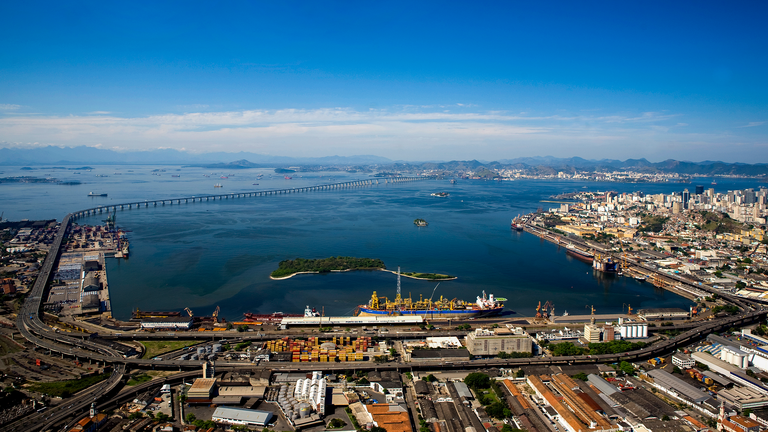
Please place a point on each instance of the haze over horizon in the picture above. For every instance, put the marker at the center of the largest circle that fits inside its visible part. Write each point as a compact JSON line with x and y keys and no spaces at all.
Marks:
{"x":414,"y":82}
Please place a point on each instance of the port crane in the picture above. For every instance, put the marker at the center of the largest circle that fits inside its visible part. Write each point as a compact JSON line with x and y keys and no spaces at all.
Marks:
{"x":216,"y":314}
{"x":546,"y":308}
{"x":592,"y":320}
{"x":189,"y":311}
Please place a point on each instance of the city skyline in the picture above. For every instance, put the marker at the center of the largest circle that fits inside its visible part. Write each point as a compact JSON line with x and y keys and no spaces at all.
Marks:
{"x":418,"y":82}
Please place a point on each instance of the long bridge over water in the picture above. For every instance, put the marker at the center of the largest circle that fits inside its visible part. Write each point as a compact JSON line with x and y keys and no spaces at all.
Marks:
{"x":202,"y":198}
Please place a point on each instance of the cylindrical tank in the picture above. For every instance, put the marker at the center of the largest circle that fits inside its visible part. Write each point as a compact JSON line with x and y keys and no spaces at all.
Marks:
{"x":304,"y":410}
{"x":200,"y":350}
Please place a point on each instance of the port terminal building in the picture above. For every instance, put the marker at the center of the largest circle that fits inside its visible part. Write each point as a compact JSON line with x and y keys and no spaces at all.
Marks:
{"x":167,"y":323}
{"x":489,"y":343}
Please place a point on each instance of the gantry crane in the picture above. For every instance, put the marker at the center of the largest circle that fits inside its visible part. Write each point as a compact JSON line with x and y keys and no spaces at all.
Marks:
{"x":189,"y":311}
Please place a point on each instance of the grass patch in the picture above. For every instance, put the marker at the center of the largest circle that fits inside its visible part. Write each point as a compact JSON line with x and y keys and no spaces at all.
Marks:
{"x":7,"y":346}
{"x":138,"y":379}
{"x":67,"y":388}
{"x":156,"y":348}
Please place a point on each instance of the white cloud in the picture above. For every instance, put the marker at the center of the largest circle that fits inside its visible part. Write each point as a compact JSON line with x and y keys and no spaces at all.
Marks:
{"x":99,"y":112}
{"x":753,"y":124}
{"x":9,"y":107}
{"x":403,"y":132}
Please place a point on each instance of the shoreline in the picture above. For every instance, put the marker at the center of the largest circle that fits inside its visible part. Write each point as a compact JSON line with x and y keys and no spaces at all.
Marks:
{"x":372,"y":269}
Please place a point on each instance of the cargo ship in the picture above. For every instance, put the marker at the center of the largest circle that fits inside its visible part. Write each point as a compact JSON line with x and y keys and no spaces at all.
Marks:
{"x":443,"y":308}
{"x":273,"y":317}
{"x":94,"y":194}
{"x":579,"y":254}
{"x":517,"y":224}
{"x":138,"y":315}
{"x":440,"y":309}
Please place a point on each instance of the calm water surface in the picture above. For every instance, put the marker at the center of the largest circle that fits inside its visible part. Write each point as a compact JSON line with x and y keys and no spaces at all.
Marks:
{"x":203,"y":255}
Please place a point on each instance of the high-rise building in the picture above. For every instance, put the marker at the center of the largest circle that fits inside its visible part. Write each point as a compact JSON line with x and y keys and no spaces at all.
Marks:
{"x":686,"y":198}
{"x":699,"y":189}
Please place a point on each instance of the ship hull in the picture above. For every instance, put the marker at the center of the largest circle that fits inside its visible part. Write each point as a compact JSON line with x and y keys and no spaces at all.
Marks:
{"x":434,"y":314}
{"x":583,"y":256}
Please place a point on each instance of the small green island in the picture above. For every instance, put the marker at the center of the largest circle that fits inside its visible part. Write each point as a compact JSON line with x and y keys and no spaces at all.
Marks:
{"x":289,"y":268}
{"x":428,"y":276}
{"x":420,"y":222}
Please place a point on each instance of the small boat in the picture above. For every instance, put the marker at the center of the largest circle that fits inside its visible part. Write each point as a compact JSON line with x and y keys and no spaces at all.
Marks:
{"x":714,"y":182}
{"x":218,"y":185}
{"x":565,"y":313}
{"x":255,"y":184}
{"x":224,"y":177}
{"x":287,"y":178}
{"x":640,"y":278}
{"x":175,"y":175}
{"x":94,"y":194}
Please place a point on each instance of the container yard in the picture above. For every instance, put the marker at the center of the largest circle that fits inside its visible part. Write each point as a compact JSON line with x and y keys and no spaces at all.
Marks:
{"x":340,"y":348}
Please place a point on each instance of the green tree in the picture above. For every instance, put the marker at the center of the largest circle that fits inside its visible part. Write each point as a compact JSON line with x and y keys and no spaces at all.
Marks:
{"x":520,"y":373}
{"x":498,"y":410}
{"x":190,"y":418}
{"x":677,"y":370}
{"x":580,"y":376}
{"x":477,"y":380}
{"x":627,"y":368}
{"x":378,"y":429}
{"x":336,"y":423}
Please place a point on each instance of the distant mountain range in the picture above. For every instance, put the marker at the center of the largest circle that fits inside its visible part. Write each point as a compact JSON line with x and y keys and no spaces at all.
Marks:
{"x":84,"y":155}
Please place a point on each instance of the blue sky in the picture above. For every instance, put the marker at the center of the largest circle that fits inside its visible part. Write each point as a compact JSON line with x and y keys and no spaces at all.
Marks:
{"x":409,"y":80}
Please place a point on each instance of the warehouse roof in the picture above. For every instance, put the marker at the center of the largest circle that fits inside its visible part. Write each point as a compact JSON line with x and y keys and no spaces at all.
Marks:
{"x":682,"y":388}
{"x":243,"y":415}
{"x":602,"y":385}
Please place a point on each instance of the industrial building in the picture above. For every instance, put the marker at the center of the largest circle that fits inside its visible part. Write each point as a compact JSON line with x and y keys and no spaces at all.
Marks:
{"x":683,"y":361}
{"x":680,"y":390}
{"x":743,"y":398}
{"x":202,"y":390}
{"x":633,"y":330}
{"x":312,"y":390}
{"x":168,"y":323}
{"x":575,"y":410}
{"x":663,"y":314}
{"x":448,"y":354}
{"x":735,"y":357}
{"x":484,"y":343}
{"x":353,"y":320}
{"x":241,"y":416}
{"x":596,"y":334}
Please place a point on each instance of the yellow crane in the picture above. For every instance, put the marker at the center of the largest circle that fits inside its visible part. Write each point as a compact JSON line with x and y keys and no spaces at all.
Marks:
{"x":189,"y":311}
{"x":216,"y":314}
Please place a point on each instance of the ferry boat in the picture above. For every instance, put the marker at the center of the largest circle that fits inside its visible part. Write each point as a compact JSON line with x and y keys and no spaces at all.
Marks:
{"x":579,"y":254}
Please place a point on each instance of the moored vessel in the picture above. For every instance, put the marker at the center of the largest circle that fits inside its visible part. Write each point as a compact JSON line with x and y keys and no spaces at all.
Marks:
{"x":440,"y":309}
{"x":579,"y":254}
{"x":273,"y":317}
{"x":443,"y":308}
